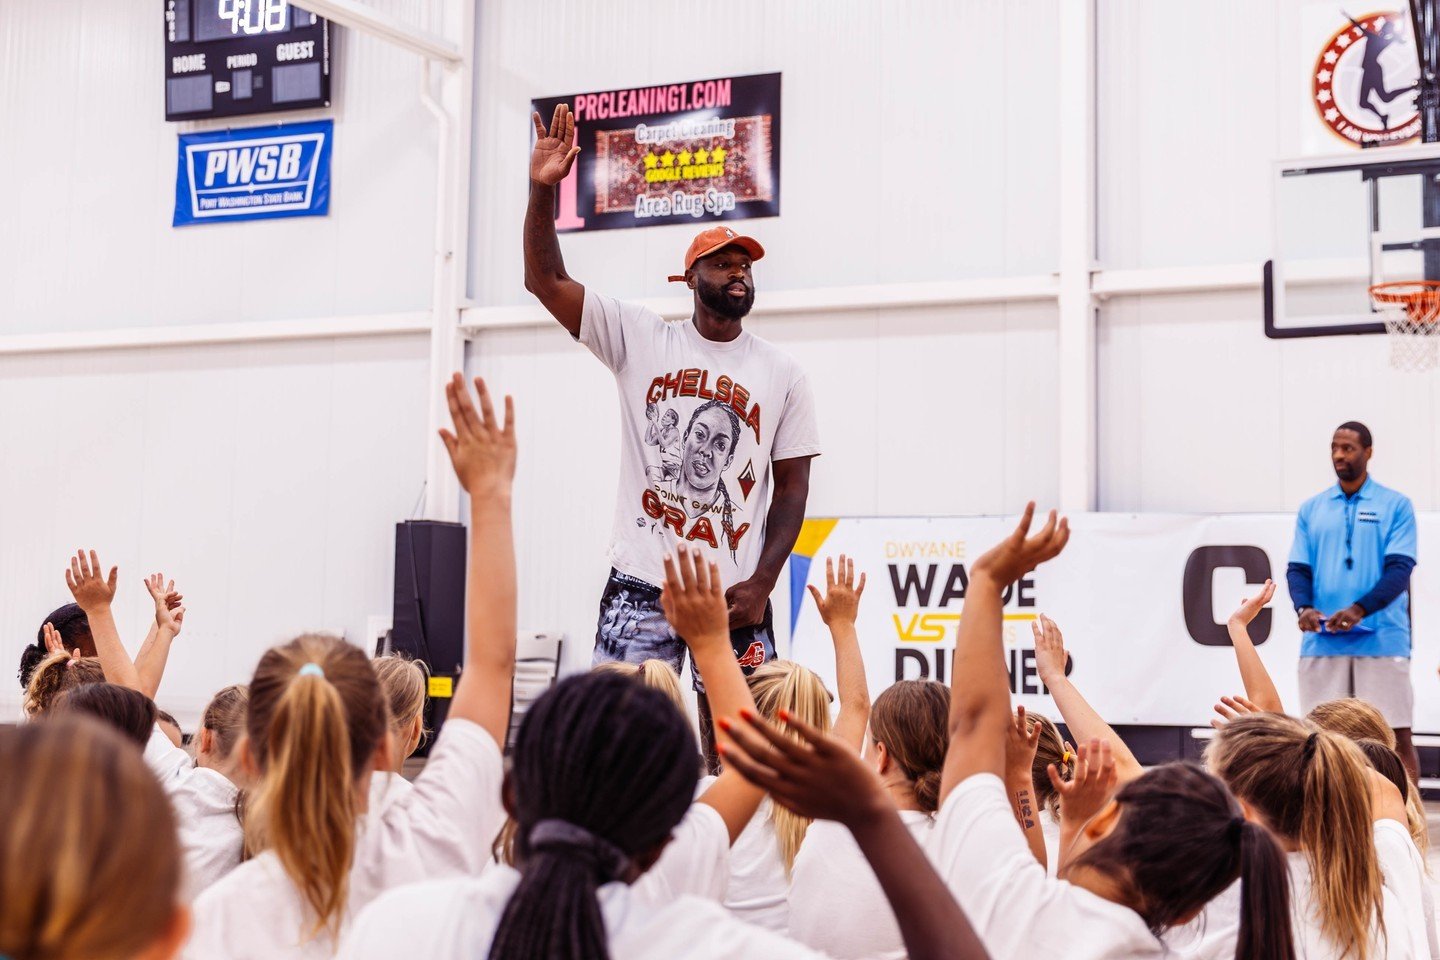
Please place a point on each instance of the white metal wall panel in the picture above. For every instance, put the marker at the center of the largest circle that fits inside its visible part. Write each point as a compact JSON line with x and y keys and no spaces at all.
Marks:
{"x":1200,"y":413}
{"x":88,"y":168}
{"x":918,"y":138}
{"x":266,"y":479}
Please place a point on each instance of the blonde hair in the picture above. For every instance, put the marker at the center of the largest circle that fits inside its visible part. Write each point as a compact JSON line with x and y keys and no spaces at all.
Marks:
{"x":655,"y":674}
{"x":1354,"y":718}
{"x":1359,"y":720}
{"x":316,"y":716}
{"x":1312,"y":787}
{"x":224,"y":716}
{"x":403,"y":681}
{"x":56,"y":674}
{"x":1050,"y":749}
{"x":89,"y":859}
{"x":786,"y":685}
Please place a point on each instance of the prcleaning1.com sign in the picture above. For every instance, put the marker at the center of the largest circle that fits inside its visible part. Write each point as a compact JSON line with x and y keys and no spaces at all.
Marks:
{"x":254,"y":174}
{"x":674,"y":153}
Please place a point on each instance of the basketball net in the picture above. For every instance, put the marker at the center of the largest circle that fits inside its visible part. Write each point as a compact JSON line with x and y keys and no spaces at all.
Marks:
{"x":1411,"y":311}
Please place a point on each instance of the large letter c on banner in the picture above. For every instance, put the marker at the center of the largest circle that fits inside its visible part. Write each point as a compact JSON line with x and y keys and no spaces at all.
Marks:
{"x":1198,"y":591}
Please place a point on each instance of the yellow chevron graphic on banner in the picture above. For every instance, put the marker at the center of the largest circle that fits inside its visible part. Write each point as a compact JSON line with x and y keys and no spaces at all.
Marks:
{"x":813,"y":534}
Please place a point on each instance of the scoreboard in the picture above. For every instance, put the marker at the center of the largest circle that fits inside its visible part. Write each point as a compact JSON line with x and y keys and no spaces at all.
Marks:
{"x":227,"y":58}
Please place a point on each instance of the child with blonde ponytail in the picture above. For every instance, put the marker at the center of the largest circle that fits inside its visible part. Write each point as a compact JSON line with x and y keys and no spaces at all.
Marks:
{"x":318,"y":729}
{"x":1354,"y":890}
{"x":764,"y":854}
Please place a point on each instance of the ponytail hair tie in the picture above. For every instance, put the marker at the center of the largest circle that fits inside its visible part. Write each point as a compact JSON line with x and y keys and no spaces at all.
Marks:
{"x":1237,"y":829}
{"x":312,"y":669}
{"x":1066,"y":757}
{"x":607,"y":860}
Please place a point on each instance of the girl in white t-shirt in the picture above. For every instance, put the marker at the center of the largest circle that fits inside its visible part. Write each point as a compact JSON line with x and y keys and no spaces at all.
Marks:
{"x":206,"y":791}
{"x":1351,"y":895}
{"x":92,"y":866}
{"x":403,"y":682}
{"x":602,"y":776}
{"x":1141,"y":862}
{"x":764,"y":854}
{"x":836,"y":904}
{"x":318,"y":727}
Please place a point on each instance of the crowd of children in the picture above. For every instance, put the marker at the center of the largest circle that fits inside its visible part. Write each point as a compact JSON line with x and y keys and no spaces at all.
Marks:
{"x":930,"y":822}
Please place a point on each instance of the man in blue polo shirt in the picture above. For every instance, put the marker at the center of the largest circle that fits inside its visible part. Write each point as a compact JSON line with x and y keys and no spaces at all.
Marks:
{"x":1349,"y":578}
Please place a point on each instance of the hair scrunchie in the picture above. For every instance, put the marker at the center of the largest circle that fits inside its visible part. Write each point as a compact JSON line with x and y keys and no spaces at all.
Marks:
{"x":608,"y":861}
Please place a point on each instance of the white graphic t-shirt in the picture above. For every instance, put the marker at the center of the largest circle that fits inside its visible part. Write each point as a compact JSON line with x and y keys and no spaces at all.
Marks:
{"x":702,"y":421}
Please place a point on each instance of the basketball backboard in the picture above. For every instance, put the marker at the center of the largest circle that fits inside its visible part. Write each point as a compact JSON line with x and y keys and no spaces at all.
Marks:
{"x":1343,"y":223}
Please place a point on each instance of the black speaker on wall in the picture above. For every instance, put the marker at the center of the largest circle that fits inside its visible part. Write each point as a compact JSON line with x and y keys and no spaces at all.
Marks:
{"x":429,"y":615}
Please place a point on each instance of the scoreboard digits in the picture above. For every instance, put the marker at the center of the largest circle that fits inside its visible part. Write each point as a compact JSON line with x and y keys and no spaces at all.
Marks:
{"x":226,"y":58}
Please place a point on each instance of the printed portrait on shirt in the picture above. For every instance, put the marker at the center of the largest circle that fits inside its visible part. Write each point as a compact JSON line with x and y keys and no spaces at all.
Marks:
{"x":699,"y":462}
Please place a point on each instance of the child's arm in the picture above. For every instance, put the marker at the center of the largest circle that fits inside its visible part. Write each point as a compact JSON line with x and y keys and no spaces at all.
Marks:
{"x":482,"y":451}
{"x":980,"y":706}
{"x":1080,"y":717}
{"x":1259,"y":688}
{"x":94,"y":592}
{"x":694,"y":603}
{"x":1020,"y":746}
{"x":1086,"y":794}
{"x":838,"y":608}
{"x":155,"y":651}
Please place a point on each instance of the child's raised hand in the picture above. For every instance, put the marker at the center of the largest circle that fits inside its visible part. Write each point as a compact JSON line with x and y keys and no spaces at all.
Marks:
{"x":91,"y":589}
{"x":841,"y":602}
{"x":1092,"y":786}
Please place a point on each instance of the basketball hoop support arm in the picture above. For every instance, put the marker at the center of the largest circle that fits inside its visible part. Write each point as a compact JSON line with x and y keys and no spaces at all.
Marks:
{"x":454,"y":112}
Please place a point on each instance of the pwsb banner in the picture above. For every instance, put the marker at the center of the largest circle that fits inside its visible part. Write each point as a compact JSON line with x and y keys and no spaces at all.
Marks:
{"x":676,"y":153}
{"x":1142,"y":602}
{"x":254,"y":174}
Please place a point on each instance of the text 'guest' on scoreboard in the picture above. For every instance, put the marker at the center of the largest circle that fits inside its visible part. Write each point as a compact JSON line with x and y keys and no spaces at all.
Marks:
{"x":228,"y":58}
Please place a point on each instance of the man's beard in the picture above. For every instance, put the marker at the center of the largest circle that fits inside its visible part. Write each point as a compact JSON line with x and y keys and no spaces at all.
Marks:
{"x":725,"y":305}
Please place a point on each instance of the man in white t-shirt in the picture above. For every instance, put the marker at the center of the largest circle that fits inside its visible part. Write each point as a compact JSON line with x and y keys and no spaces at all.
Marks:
{"x":718,"y":428}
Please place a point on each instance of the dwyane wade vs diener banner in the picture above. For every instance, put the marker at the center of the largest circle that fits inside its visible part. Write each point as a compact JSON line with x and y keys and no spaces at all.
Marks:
{"x":674,"y":153}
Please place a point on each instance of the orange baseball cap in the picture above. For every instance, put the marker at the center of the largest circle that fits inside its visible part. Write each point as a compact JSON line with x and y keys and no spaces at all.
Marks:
{"x":708,"y":241}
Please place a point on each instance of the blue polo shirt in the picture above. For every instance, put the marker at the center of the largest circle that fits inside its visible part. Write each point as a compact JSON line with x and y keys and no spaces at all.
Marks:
{"x":1375,"y":521}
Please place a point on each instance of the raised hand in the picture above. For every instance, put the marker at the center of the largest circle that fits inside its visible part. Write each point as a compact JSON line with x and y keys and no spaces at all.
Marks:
{"x":481,"y":449}
{"x":819,"y":777}
{"x":1050,"y":656}
{"x":1251,"y":607}
{"x":1022,"y":739}
{"x":54,"y":643}
{"x":693,"y":601}
{"x":1017,"y":554}
{"x":169,"y":612}
{"x":1231,"y":707}
{"x":1092,"y":786}
{"x":91,"y":589}
{"x":841,"y":602}
{"x":555,"y":150}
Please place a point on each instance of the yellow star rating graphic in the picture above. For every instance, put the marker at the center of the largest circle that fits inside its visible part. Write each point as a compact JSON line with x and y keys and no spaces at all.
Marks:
{"x":699,"y":164}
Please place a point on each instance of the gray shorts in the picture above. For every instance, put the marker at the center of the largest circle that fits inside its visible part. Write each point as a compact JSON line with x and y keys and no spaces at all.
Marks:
{"x":1383,"y":682}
